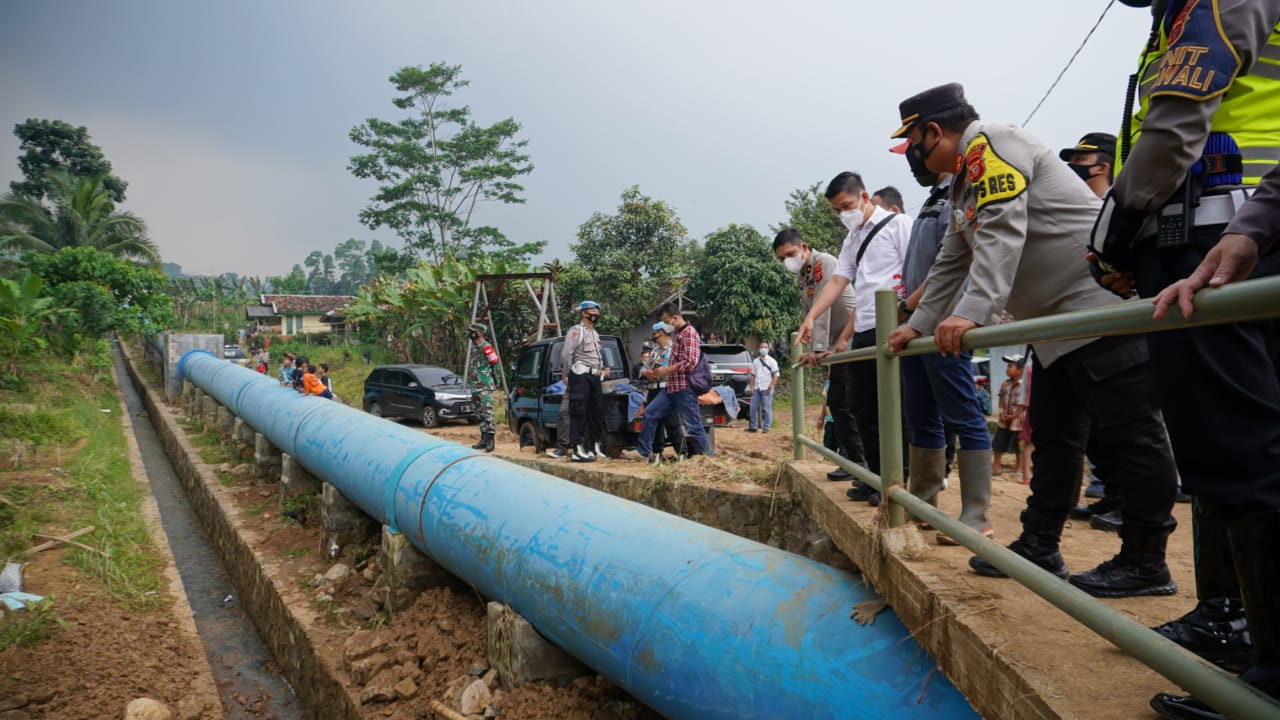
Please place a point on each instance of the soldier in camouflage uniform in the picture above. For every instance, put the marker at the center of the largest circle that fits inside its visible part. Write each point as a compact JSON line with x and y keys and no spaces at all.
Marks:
{"x":485,"y":372}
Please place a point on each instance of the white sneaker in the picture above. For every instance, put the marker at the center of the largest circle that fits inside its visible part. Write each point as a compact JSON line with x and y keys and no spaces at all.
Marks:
{"x":579,"y":457}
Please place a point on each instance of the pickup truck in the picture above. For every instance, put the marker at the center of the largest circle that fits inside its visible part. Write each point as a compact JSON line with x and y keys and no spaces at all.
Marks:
{"x":532,"y":412}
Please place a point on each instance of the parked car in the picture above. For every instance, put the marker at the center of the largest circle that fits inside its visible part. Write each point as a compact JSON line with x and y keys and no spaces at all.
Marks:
{"x":532,"y":412}
{"x":234,"y":354}
{"x":423,"y":392}
{"x":730,"y":365}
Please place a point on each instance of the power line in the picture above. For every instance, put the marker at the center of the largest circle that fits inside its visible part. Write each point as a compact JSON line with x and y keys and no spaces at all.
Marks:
{"x":1088,"y":35}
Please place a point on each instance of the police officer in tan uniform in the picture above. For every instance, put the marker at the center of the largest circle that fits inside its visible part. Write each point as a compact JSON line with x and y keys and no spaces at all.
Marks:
{"x":1019,"y":218}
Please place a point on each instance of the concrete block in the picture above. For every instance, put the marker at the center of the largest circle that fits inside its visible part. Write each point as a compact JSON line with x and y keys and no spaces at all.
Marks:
{"x":296,"y":479}
{"x":242,"y":433}
{"x":406,"y":571}
{"x":210,"y":415}
{"x":521,"y":655}
{"x":226,"y":421}
{"x":267,"y":459}
{"x":188,"y":394}
{"x":344,"y":523}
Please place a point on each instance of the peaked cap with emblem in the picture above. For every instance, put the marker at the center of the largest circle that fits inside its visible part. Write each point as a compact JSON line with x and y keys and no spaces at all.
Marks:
{"x":1092,"y":142}
{"x":927,"y":104}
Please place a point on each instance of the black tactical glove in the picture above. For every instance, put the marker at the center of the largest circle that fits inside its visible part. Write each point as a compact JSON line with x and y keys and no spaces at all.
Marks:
{"x":1114,"y":234}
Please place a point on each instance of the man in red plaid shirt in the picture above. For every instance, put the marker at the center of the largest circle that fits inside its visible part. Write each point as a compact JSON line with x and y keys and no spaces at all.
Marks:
{"x":678,"y":397}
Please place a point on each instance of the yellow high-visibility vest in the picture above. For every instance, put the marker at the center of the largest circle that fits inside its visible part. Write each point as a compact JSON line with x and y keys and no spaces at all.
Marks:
{"x":1250,"y":109}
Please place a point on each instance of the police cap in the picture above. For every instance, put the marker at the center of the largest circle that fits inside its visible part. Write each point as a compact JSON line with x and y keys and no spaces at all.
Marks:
{"x":1092,"y":142}
{"x":586,"y":305}
{"x":927,"y":104}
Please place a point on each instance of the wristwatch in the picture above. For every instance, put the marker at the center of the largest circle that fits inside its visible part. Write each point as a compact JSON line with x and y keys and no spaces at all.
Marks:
{"x":902,"y":305}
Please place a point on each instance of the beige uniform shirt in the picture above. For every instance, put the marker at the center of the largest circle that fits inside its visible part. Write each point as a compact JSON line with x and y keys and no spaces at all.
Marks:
{"x":1019,"y":225}
{"x":812,"y":279}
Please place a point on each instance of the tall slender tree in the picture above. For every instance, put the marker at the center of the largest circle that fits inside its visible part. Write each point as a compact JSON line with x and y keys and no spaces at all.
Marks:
{"x":437,"y":166}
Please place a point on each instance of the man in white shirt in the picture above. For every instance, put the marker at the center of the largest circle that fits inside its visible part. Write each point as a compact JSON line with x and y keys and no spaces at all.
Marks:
{"x":764,"y":377}
{"x":871,"y":258}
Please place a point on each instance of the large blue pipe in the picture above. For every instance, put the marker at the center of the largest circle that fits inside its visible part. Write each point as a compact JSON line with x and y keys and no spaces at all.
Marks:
{"x":692,"y":621}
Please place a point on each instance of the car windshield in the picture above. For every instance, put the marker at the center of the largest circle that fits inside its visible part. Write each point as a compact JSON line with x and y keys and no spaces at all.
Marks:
{"x":727,"y":354}
{"x":436,"y":376}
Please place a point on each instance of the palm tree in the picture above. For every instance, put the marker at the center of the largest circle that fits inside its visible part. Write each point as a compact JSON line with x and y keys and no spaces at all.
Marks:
{"x":81,"y":214}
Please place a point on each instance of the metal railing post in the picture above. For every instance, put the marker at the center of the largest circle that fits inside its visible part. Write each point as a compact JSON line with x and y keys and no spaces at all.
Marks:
{"x":797,"y":397}
{"x":889,"y":395}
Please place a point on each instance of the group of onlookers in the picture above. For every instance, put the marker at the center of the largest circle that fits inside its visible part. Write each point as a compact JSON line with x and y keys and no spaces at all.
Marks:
{"x":299,"y":373}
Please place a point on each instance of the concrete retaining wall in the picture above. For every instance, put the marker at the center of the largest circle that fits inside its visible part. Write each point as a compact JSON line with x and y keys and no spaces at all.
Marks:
{"x":282,"y":624}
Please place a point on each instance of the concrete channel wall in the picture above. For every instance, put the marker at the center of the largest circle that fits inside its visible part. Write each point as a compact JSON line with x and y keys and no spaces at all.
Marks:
{"x":281,"y":626}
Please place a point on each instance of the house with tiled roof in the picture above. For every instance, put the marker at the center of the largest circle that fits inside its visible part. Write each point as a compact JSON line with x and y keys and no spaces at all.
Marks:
{"x":297,"y":314}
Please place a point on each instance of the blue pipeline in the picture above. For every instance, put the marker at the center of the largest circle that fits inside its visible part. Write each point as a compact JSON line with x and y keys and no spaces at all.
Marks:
{"x":692,"y":621}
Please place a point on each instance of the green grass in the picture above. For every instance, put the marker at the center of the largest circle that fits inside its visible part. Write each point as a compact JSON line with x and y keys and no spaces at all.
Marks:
{"x":109,"y":498}
{"x":296,"y":552}
{"x":94,"y":485}
{"x":29,"y":626}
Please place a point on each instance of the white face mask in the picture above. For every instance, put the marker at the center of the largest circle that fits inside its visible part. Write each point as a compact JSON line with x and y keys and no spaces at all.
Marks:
{"x":852,"y":219}
{"x":763,"y":351}
{"x":794,"y":264}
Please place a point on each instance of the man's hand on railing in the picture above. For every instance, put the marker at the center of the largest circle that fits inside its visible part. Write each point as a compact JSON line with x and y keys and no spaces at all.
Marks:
{"x":949,"y":337}
{"x":1231,"y":260}
{"x":806,"y":331}
{"x":899,"y":338}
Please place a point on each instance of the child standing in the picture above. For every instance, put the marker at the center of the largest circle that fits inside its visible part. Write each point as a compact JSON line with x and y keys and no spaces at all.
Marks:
{"x":1011,"y":411}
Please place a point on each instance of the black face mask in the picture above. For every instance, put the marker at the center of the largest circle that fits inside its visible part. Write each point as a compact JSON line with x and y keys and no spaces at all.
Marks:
{"x":1084,"y":171}
{"x":916,"y":155}
{"x":594,"y":319}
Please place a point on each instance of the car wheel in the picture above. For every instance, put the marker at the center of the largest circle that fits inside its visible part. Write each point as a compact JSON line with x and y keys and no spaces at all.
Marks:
{"x":375,"y":409}
{"x":429,"y":417}
{"x":529,"y":437}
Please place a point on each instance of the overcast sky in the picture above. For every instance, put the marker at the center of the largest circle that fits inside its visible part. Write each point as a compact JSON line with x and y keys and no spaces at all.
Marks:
{"x":229,"y":120}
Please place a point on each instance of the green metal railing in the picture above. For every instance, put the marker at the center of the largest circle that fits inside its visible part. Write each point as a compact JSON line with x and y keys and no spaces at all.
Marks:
{"x":1252,"y":300}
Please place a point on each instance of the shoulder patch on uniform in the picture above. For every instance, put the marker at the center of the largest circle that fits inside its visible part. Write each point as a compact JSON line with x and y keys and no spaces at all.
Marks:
{"x":1200,"y":62}
{"x":992,"y":179}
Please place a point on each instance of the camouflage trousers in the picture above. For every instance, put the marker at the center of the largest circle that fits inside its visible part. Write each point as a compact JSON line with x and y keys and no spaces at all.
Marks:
{"x":485,"y":411}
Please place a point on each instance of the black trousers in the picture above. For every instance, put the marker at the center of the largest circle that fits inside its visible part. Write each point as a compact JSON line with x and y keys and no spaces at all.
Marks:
{"x":840,"y":403}
{"x":866,"y":405}
{"x":1218,"y":388}
{"x":586,"y":410}
{"x":1105,"y":394}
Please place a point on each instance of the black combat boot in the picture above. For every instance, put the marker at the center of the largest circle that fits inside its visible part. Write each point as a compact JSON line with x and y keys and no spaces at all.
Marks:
{"x":484,"y":437}
{"x":1108,"y":521}
{"x":1139,"y":569}
{"x":1254,"y":539}
{"x":1103,"y":506}
{"x":1038,"y":543}
{"x":487,"y":442}
{"x":1216,"y":629}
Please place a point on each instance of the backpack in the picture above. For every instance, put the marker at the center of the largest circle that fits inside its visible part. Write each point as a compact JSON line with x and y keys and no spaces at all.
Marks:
{"x":700,"y":378}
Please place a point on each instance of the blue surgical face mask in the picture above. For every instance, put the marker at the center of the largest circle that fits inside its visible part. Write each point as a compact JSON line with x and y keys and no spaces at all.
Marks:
{"x":763,"y":351}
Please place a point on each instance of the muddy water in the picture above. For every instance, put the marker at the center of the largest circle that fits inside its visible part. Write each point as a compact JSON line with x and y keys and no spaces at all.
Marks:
{"x":248,"y":684}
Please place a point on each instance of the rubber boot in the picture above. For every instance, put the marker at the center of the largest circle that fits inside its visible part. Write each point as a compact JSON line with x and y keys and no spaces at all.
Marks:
{"x":488,"y":442}
{"x":975,"y":488}
{"x":1254,"y":539}
{"x":1038,"y":543}
{"x":927,"y":473}
{"x":1139,"y":569}
{"x":1216,"y":629}
{"x":582,"y":454}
